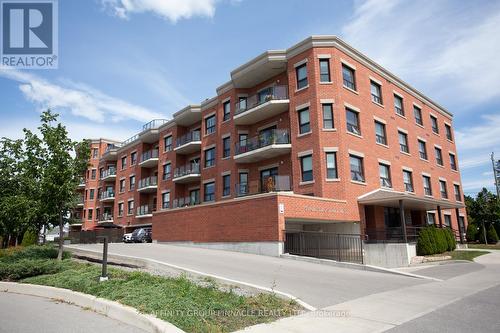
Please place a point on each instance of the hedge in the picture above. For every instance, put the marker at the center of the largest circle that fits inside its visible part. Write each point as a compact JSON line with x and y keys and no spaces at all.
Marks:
{"x":432,"y":240}
{"x":23,"y":268}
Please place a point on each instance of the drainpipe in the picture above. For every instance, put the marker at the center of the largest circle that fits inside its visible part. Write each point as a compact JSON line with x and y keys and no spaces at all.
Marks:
{"x":402,"y":219}
{"x":459,"y":226}
{"x":440,"y":217}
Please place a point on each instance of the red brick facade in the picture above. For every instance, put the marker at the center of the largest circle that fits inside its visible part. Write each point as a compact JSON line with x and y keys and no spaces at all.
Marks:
{"x":255,"y":217}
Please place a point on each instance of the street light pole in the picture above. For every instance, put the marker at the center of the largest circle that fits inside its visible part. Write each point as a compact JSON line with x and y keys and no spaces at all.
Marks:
{"x":496,"y":171}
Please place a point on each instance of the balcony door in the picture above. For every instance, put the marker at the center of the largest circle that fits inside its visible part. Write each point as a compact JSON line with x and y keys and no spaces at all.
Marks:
{"x":194,"y":197}
{"x":266,"y":136}
{"x":268,"y":178}
{"x":265,"y":95}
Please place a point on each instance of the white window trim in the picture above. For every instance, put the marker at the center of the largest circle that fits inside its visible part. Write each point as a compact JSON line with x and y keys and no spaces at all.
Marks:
{"x":324,"y":56}
{"x":352,"y":107}
{"x":274,"y":165}
{"x":402,"y":130}
{"x":405,"y":168}
{"x":330,"y":149}
{"x":398,"y":94}
{"x":274,"y":123}
{"x":380,"y":120}
{"x":302,"y":106}
{"x":300,"y":63}
{"x":209,"y":115}
{"x":206,"y":181}
{"x":356,"y":153}
{"x":226,"y":173}
{"x":305,"y":153}
{"x":348,"y":64}
{"x":375,"y":80}
{"x":327,"y":101}
{"x":385,"y":162}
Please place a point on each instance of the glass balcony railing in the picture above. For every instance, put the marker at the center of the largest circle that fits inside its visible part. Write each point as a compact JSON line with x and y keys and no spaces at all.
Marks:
{"x":145,"y":210}
{"x":267,"y":138}
{"x":263,"y":96}
{"x":265,"y":185}
{"x":190,"y":169}
{"x":188,"y":137}
{"x":147,"y":182}
{"x":149,"y":155}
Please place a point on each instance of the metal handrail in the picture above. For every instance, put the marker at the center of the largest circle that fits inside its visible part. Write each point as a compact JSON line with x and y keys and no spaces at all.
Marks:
{"x":188,"y":137}
{"x":144,"y":210}
{"x":269,"y":184}
{"x":184,"y":202}
{"x":146,"y":182}
{"x":267,"y":138}
{"x":154,"y":153}
{"x":154,"y":124}
{"x":109,"y":172}
{"x":265,"y":95}
{"x":188,"y":169}
{"x":107,"y":194}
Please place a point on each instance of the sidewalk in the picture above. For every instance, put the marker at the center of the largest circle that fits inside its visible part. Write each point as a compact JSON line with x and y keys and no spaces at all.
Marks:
{"x":386,"y":310}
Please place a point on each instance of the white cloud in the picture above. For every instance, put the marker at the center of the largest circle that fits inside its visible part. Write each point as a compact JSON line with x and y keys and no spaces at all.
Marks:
{"x":431,"y":42}
{"x":477,"y":184}
{"x":171,"y":10}
{"x":81,"y":100}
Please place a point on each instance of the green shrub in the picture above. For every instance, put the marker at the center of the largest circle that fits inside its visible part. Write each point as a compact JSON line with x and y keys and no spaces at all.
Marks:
{"x":432,"y":240}
{"x":450,"y":239}
{"x":471,"y":232}
{"x":492,"y":235}
{"x":29,"y":238}
{"x":33,"y":252}
{"x":23,"y":268}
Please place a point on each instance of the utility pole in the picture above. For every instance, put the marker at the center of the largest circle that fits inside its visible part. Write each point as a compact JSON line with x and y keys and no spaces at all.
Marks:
{"x":496,"y":174}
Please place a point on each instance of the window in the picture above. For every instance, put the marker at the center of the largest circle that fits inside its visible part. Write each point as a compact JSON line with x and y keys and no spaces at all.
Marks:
{"x":167,"y":141}
{"x":91,"y":194}
{"x":385,"y":175}
{"x":422,"y":149}
{"x":301,"y":72}
{"x":133,"y":158}
{"x":130,"y":207}
{"x":122,"y":185}
{"x":304,"y":121}
{"x":453,"y":162}
{"x":307,"y":169}
{"x":439,"y":156}
{"x":210,"y":125}
{"x":120,"y":209}
{"x":458,"y":195}
{"x":209,"y":157}
{"x":443,"y":190}
{"x":324,"y":70}
{"x":132,"y":182}
{"x":449,"y":136}
{"x":328,"y":116}
{"x":348,"y":77}
{"x":242,"y":104}
{"x":226,"y":147}
{"x":357,"y":173}
{"x":124,"y":162}
{"x":427,"y":185}
{"x":434,"y":124}
{"x":403,"y":142}
{"x":167,"y":171}
{"x":95,"y":152}
{"x":408,"y":180}
{"x":380,"y":135}
{"x":165,"y":200}
{"x":93,"y":174}
{"x":89,"y":215}
{"x":331,"y":165}
{"x":101,"y":173}
{"x":242,"y":186}
{"x":353,"y":122}
{"x":447,"y":220}
{"x":226,"y":107}
{"x":376,"y":92}
{"x":226,"y":185}
{"x":243,"y":139}
{"x":418,"y":115}
{"x":431,"y":218}
{"x":398,"y":105}
{"x":209,"y":189}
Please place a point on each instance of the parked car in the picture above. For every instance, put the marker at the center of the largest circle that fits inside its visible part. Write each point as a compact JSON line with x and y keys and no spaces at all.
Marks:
{"x":127,"y":238}
{"x":142,"y":235}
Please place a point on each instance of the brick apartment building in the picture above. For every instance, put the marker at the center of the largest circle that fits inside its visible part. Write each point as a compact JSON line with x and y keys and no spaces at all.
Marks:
{"x":314,"y":138}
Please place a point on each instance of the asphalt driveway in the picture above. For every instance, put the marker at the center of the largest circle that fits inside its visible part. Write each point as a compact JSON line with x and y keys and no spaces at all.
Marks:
{"x":317,"y":285}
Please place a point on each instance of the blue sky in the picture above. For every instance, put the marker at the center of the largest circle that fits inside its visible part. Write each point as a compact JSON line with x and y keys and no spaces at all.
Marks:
{"x":124,"y":62}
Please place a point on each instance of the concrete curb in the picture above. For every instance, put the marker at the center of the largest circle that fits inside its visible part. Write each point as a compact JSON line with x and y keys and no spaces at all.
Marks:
{"x":356,"y":266}
{"x":114,"y":310}
{"x":155,"y":264}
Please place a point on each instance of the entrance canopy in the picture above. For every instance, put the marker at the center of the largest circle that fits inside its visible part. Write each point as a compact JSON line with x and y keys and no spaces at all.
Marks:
{"x":390,"y":198}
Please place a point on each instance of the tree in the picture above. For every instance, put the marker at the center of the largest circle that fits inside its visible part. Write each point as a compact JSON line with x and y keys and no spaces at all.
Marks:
{"x":483,"y":211}
{"x":61,"y":170}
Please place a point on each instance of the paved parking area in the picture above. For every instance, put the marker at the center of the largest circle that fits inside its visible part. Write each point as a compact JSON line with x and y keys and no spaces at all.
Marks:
{"x":317,"y":285}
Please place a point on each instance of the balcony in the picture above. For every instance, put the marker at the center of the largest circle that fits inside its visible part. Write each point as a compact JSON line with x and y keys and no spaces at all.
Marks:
{"x":144,"y":211}
{"x":267,"y":103}
{"x":80,"y":202}
{"x":266,"y":185}
{"x":149,"y":159}
{"x":148,"y":185}
{"x":109,"y":174}
{"x":187,"y":174}
{"x":105,"y":218}
{"x":188,"y":143}
{"x":184,"y":202}
{"x":266,"y":145}
{"x":111,"y":153}
{"x":81,"y":183}
{"x":107,"y":196}
{"x":150,"y":131}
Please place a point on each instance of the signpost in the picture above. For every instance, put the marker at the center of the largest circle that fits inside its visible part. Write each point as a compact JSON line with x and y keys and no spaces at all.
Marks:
{"x":104,"y":273}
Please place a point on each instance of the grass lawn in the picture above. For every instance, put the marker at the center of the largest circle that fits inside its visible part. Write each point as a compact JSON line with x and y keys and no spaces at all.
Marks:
{"x":484,"y":246}
{"x":461,"y":255}
{"x":187,"y":305}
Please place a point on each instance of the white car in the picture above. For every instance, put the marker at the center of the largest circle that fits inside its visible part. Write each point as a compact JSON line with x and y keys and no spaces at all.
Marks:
{"x":127,"y":238}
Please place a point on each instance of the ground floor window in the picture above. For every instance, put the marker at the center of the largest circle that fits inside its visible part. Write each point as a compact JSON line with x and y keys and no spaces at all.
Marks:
{"x":209,"y":193}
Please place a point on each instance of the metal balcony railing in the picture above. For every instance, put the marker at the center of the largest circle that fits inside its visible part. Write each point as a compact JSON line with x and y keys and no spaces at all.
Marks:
{"x":265,"y":185}
{"x":147,"y":182}
{"x":145,"y":210}
{"x":188,"y":137}
{"x":109,"y":172}
{"x":107,"y":195}
{"x":106,"y":217}
{"x":149,"y":155}
{"x":185,"y":170}
{"x":266,"y":95}
{"x":153,"y":124}
{"x":184,"y":202}
{"x":267,"y":138}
